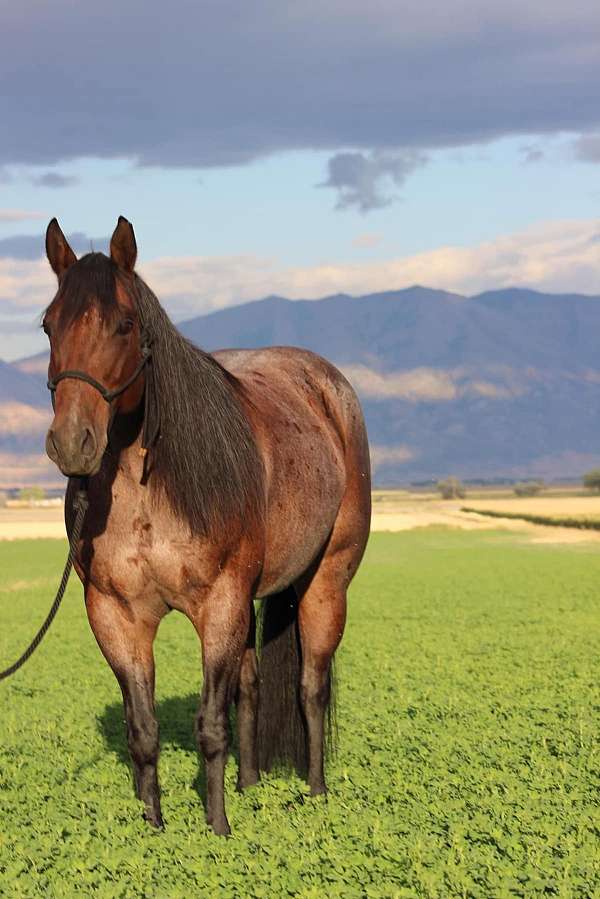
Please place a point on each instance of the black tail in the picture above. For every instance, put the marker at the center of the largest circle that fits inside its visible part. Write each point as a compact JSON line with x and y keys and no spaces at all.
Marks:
{"x":282,"y":734}
{"x":281,"y":726}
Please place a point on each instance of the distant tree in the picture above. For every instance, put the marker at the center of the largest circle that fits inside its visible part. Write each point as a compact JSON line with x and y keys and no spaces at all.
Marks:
{"x":30,"y":494}
{"x":529,"y":488}
{"x":451,"y":488}
{"x":591,"y":480}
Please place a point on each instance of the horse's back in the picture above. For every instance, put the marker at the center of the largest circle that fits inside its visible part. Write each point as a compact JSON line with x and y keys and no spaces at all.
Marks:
{"x":293,"y":379}
{"x":312,"y":436}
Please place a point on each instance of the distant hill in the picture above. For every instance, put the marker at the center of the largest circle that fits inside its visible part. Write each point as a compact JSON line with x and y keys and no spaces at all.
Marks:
{"x":506,"y":383}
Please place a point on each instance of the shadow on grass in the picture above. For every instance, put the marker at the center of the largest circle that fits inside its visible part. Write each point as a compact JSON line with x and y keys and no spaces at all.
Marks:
{"x":176,"y":717}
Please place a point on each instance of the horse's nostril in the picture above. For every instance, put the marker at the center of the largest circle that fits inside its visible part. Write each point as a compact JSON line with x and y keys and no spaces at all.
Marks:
{"x":88,"y":444}
{"x":51,"y":440}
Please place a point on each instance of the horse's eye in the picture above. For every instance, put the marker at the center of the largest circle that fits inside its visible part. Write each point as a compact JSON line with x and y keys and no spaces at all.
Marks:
{"x":125,"y":326}
{"x":46,"y":328}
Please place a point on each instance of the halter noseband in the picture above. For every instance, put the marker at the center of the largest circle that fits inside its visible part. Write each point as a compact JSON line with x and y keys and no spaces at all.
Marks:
{"x":105,"y":393}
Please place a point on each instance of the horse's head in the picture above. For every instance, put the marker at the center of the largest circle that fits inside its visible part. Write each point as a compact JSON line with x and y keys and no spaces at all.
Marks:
{"x":94,"y":330}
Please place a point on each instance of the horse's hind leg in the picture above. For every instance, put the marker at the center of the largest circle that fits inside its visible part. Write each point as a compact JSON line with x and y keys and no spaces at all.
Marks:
{"x":322,"y":616}
{"x":321,"y":619}
{"x":126,"y":642}
{"x":247,"y":711}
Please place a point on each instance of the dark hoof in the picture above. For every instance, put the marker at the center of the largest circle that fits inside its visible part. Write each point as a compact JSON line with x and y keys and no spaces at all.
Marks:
{"x":250,"y":780}
{"x":221,"y":828}
{"x":155,"y":820}
{"x":318,"y":789}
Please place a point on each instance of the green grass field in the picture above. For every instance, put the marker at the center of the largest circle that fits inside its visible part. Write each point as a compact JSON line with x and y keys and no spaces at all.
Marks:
{"x":468,"y":761}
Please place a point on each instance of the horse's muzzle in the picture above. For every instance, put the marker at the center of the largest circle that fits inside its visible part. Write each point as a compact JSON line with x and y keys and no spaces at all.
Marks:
{"x":75,"y":450}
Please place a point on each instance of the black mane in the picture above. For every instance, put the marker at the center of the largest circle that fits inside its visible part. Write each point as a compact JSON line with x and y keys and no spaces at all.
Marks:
{"x":205,"y":460}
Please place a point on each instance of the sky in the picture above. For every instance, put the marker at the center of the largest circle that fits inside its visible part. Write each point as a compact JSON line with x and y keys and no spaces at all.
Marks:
{"x":300,"y":149}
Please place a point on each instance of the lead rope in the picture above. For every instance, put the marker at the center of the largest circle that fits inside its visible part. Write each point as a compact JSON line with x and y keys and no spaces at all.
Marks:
{"x":80,"y":505}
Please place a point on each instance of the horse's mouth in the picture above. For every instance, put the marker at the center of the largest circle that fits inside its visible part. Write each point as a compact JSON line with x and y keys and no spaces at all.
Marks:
{"x":75,"y":458}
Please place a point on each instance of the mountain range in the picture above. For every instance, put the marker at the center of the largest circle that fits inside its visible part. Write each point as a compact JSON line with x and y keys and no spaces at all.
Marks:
{"x":502,"y":384}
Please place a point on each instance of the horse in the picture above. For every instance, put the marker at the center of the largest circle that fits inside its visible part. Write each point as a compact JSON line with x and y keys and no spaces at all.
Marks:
{"x":214,"y":481}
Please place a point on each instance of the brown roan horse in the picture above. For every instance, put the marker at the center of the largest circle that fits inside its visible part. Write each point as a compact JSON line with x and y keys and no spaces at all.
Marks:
{"x":213,"y":480}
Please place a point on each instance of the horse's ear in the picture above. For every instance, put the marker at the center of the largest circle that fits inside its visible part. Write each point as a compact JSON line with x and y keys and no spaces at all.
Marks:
{"x":59,"y":253}
{"x":123,"y":248}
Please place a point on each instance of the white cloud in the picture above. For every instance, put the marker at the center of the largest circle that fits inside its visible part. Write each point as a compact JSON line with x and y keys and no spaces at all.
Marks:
{"x":382,"y":455}
{"x":413,"y":385}
{"x":417,"y":385}
{"x":19,"y":215}
{"x":21,"y":419}
{"x":554,"y":256}
{"x":25,"y":284}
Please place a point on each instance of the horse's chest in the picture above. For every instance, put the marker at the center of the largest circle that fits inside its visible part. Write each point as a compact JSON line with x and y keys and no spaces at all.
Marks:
{"x":139,"y":556}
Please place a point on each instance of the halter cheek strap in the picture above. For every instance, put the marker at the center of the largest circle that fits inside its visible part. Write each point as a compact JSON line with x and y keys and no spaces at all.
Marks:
{"x":151,"y":428}
{"x":105,"y":393}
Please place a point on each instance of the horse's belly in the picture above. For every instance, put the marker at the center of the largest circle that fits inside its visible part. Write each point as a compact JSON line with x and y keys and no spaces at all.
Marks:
{"x":299,"y":520}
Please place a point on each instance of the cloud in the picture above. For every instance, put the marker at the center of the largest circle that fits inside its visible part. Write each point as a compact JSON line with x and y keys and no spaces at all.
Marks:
{"x":54,"y":180}
{"x":19,"y":419}
{"x":361,"y":180}
{"x":32,"y":246}
{"x":25,"y":284}
{"x":414,"y":385}
{"x":587,"y":148}
{"x":419,"y":385}
{"x":553,"y":256}
{"x":19,"y":215}
{"x":383,"y":455}
{"x":233,"y":82}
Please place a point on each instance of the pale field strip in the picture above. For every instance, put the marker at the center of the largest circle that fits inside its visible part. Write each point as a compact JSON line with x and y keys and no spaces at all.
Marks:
{"x":394,"y":511}
{"x":552,"y":506}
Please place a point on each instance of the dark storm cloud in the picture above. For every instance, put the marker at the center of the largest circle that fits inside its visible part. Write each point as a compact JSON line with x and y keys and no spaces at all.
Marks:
{"x":55,"y":180}
{"x":220,"y":83}
{"x":361,"y":180}
{"x":32,"y":246}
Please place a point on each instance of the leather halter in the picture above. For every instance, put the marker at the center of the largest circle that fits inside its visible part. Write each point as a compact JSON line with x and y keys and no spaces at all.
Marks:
{"x":151,"y":426}
{"x":105,"y":393}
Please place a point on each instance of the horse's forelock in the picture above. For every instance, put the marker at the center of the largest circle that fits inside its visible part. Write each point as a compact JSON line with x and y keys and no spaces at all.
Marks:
{"x":92,"y":280}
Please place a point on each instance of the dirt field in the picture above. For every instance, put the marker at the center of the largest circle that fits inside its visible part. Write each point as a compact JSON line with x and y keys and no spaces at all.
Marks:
{"x":22,"y":524}
{"x":404,"y":511}
{"x":566,"y":506}
{"x":392,"y":511}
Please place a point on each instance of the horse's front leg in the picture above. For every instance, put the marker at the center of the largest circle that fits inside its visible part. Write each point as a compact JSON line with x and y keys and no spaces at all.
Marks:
{"x":222,"y":623}
{"x":125,"y":635}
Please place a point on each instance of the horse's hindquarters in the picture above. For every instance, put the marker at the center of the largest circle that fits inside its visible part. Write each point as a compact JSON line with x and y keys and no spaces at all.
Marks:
{"x":310,"y":431}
